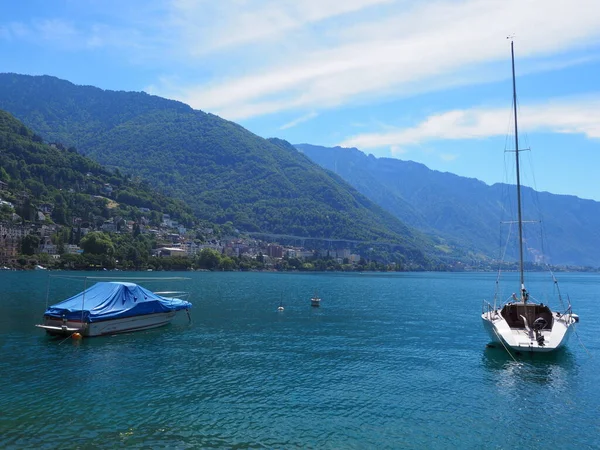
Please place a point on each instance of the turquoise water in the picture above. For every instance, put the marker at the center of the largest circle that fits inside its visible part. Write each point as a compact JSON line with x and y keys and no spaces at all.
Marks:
{"x":388,"y":361}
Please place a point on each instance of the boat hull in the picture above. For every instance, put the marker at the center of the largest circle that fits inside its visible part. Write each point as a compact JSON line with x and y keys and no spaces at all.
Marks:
{"x":56,"y":327}
{"x":521,"y":340}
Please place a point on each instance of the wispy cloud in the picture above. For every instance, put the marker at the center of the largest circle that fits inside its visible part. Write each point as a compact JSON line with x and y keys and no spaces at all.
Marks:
{"x":14,"y":30}
{"x":377,"y":49}
{"x":248,"y":58}
{"x":299,"y":120}
{"x":55,"y":30}
{"x":135,"y":26}
{"x":211,"y":26}
{"x":571,"y":115}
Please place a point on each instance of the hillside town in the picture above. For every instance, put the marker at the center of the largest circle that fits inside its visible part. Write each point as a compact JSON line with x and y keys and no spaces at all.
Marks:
{"x":29,"y":244}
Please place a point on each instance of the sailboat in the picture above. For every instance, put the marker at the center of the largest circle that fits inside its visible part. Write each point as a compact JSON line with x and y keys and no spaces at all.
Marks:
{"x":521,"y":323}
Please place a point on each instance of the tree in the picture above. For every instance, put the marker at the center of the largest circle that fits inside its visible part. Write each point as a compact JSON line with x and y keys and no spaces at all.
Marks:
{"x":209,"y":259}
{"x":97,"y":243}
{"x":134,"y":255}
{"x":29,"y":244}
{"x":136,"y":230}
{"x":4,"y":176}
{"x":27,"y":211}
{"x":227,"y":263}
{"x":60,"y":215}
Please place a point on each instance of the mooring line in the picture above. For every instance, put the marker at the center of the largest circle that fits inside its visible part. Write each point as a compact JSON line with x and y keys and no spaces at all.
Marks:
{"x":500,"y":339}
{"x":580,"y":342}
{"x":68,"y":337}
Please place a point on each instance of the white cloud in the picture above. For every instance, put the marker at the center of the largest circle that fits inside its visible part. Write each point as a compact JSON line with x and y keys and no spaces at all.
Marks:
{"x":570,"y":115}
{"x":247,"y":58}
{"x":299,"y":120}
{"x":211,"y":26}
{"x":323,"y":54}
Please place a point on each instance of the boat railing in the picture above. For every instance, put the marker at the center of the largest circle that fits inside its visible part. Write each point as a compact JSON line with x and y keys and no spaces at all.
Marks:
{"x":487,"y":308}
{"x":568,"y":312}
{"x":171,"y":295}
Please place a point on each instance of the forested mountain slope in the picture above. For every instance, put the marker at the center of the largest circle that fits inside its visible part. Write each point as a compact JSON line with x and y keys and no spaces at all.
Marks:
{"x":71,"y":185}
{"x":223,"y":172}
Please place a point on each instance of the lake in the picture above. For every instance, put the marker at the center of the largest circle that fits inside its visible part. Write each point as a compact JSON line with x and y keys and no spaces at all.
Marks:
{"x":388,"y":361}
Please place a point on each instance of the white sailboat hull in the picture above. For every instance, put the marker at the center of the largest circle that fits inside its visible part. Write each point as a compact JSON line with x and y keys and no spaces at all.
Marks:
{"x":57,"y":327}
{"x":525,"y":339}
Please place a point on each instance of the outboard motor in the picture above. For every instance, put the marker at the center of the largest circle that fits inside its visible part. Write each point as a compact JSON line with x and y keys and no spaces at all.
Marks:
{"x":538,"y":325}
{"x":540,"y":339}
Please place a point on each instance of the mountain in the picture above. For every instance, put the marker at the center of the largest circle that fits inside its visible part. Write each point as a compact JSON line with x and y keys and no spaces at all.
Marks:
{"x":466,"y":211}
{"x":224,"y":172}
{"x":68,"y":185}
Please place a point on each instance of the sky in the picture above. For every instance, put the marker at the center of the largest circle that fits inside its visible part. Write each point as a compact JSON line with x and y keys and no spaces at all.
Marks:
{"x":427,"y":81}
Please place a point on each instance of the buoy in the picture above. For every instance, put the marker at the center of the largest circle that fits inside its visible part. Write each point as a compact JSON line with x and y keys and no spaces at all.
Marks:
{"x":76,"y":336}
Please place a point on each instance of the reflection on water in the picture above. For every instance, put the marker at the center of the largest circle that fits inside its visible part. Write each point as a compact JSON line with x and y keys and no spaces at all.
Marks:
{"x":552,"y":370}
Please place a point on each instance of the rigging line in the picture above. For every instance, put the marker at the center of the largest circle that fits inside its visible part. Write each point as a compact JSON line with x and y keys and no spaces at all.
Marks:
{"x":502,"y":259}
{"x":507,"y":242}
{"x":535,"y":197}
{"x":509,"y":126}
{"x":505,"y":250}
{"x":508,"y":167}
{"x":499,"y":263}
{"x":562,"y":304}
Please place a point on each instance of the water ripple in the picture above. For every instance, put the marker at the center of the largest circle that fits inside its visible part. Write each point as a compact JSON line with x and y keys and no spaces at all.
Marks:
{"x":372,"y":368}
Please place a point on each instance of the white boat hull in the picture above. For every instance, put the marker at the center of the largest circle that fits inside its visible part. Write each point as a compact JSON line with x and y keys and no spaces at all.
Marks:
{"x":57,"y":327}
{"x":525,"y":340}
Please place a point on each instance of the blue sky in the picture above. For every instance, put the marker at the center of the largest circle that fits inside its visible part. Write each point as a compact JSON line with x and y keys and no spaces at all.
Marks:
{"x":415,"y":80}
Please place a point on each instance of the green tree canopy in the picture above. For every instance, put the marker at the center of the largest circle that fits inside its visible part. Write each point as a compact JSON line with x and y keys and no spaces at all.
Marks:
{"x":29,"y":244}
{"x":97,"y":243}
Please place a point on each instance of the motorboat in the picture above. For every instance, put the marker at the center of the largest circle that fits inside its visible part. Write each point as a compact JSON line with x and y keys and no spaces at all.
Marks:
{"x":111,"y":307}
{"x":315,"y":300}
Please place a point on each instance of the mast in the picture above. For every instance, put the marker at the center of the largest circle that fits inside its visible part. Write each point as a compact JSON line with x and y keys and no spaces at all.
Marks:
{"x":520,"y":219}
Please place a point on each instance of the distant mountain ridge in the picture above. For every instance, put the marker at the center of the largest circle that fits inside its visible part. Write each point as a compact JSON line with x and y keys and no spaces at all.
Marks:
{"x":466,"y":211}
{"x":223,"y":172}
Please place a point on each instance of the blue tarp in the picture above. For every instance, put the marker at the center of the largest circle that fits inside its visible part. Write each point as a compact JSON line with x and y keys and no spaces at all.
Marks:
{"x":114,"y":300}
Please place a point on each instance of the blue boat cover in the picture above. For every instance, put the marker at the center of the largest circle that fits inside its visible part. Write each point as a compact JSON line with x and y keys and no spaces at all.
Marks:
{"x":114,"y":300}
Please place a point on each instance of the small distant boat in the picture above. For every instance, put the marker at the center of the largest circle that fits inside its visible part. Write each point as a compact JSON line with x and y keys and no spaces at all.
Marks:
{"x":315,"y":301}
{"x":111,"y":307}
{"x":38,"y":267}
